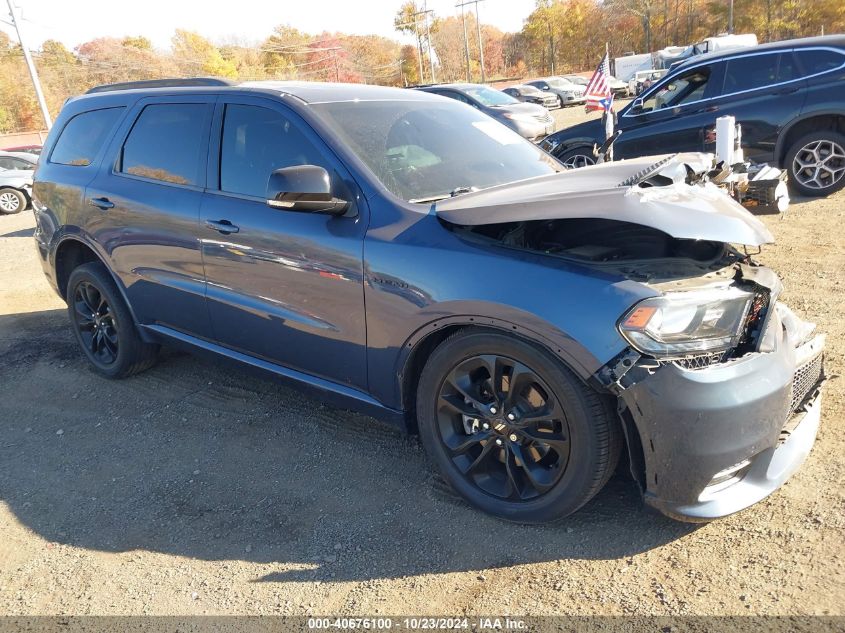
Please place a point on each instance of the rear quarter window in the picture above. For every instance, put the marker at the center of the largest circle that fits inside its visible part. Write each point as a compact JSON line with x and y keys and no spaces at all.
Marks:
{"x":817,"y":61}
{"x":84,"y":135}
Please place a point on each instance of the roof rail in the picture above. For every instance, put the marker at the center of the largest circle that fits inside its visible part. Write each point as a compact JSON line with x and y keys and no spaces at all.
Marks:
{"x":162,"y":83}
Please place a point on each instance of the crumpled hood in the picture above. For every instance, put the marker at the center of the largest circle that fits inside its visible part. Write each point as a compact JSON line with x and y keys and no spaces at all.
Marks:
{"x":651,"y":191}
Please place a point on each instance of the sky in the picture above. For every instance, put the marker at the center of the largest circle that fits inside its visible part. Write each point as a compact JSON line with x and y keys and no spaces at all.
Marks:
{"x":73,"y":22}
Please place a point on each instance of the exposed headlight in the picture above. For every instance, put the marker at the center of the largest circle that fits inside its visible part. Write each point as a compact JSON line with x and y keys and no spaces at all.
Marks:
{"x":681,"y":323}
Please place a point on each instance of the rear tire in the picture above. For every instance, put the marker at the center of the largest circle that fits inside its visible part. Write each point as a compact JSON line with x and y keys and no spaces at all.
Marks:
{"x":541,"y":465}
{"x":103,"y":325}
{"x":816,"y":163}
{"x":12,"y":201}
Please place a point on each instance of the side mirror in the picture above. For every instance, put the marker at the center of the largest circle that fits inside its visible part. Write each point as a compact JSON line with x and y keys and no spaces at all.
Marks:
{"x":637,"y":105}
{"x":303,"y":188}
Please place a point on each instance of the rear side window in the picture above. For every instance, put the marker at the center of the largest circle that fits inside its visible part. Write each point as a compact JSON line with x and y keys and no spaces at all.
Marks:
{"x":757,"y":71}
{"x":83,"y":136}
{"x":814,"y":62}
{"x":15,"y":164}
{"x":257,"y":141}
{"x":167,"y":143}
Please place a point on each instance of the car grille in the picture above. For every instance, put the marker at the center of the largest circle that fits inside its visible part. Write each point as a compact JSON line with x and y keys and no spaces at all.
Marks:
{"x":700,"y":361}
{"x":545,"y":118}
{"x":806,"y":377}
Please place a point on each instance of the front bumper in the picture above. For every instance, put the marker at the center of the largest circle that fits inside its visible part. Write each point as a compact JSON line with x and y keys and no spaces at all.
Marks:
{"x":758,"y":414}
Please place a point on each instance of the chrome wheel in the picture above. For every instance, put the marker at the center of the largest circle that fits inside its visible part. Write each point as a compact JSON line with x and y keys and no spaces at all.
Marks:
{"x":819,"y":164}
{"x":503,"y":428}
{"x":9,"y":202}
{"x":578,"y":160}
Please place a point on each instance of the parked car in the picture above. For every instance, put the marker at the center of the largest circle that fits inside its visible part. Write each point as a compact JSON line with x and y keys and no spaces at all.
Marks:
{"x":16,"y":169}
{"x":617,"y":87}
{"x":407,"y":256}
{"x":529,"y":120}
{"x":530,"y":94}
{"x":788,"y":96}
{"x":644,"y":79}
{"x":29,"y":149}
{"x":567,"y":92}
{"x":576,"y":79}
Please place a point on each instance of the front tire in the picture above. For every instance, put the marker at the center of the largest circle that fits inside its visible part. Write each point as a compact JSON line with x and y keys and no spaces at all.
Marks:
{"x":103,"y":325}
{"x":512,"y":430}
{"x":12,"y":201}
{"x":581,"y":156}
{"x":816,"y":163}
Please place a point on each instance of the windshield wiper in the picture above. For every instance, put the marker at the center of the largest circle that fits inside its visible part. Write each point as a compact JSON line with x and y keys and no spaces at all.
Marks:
{"x":455,"y":192}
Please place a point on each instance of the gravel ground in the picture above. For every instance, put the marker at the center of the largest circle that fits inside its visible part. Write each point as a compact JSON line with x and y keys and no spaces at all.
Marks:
{"x":198,"y":489}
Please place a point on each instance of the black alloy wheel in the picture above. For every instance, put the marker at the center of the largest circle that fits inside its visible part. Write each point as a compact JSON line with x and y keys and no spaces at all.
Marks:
{"x":511,"y":429}
{"x":103,"y":324}
{"x":96,"y":323}
{"x":503,"y":427}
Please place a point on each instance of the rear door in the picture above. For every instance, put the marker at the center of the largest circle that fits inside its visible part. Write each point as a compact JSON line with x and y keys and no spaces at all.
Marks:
{"x":284,"y":286}
{"x":144,"y":204}
{"x":762,"y":91}
{"x":674,"y":116}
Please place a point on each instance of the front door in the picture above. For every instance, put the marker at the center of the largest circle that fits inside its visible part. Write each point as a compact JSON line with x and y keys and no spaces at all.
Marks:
{"x":673,"y":117}
{"x":284,"y":286}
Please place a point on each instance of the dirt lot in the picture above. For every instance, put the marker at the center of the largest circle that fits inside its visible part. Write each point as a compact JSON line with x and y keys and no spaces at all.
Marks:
{"x":195,"y":489}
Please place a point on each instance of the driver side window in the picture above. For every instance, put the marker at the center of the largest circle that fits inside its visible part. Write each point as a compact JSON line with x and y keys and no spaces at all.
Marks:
{"x":683,"y":89}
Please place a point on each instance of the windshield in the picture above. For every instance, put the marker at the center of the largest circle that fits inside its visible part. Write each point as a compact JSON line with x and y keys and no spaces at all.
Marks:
{"x":560,"y":83}
{"x":424,"y":150}
{"x":489,"y":97}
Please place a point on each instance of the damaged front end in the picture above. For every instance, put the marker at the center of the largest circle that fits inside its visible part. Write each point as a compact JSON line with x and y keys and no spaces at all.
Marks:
{"x":719,"y":387}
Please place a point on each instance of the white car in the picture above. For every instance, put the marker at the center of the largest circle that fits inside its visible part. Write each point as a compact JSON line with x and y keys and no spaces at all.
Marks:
{"x":644,"y":79}
{"x":16,"y":171}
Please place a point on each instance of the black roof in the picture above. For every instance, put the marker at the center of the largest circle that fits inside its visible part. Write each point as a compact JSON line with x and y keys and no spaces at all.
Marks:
{"x":306,"y":91}
{"x":837,"y":41}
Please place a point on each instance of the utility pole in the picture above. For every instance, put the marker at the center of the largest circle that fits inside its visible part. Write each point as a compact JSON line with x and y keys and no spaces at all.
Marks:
{"x":480,"y":43}
{"x":33,"y":73}
{"x":416,"y":15}
{"x":428,"y":38}
{"x":731,"y":17}
{"x":478,"y":32}
{"x":466,"y":38}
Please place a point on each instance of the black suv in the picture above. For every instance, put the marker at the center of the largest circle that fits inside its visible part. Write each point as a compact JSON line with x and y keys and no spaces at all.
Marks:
{"x":407,"y":255}
{"x":789,"y":97}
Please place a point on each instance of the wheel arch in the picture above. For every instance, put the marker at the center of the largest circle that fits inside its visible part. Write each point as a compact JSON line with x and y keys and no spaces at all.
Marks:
{"x":826,"y":120}
{"x":565,"y":146}
{"x":71,"y":252}
{"x":421,"y":344}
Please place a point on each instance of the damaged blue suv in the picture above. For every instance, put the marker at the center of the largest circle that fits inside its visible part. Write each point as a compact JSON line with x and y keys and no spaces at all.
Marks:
{"x":405,"y":255}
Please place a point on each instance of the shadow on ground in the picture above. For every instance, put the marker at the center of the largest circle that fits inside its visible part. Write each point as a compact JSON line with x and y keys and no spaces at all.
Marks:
{"x":22,"y":233}
{"x":208,"y":462}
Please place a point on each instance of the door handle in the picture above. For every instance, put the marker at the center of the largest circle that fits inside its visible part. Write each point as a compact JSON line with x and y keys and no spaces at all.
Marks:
{"x":222,"y":226}
{"x":713,"y":108}
{"x":101,"y":203}
{"x":787,"y":91}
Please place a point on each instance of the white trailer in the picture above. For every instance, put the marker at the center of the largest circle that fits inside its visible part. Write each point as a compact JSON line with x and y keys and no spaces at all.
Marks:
{"x":625,"y":67}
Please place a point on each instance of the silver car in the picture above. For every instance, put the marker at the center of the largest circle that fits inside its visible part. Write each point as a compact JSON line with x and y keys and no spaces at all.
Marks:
{"x":16,"y":171}
{"x":569,"y":93}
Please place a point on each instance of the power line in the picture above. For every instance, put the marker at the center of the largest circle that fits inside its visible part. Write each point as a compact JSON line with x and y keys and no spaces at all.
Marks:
{"x":33,"y":73}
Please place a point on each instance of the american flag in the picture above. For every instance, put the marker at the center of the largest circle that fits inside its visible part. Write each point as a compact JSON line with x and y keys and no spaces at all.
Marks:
{"x":599,"y":96}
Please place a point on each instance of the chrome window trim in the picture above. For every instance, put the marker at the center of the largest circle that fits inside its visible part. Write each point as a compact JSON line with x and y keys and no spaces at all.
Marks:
{"x":794,"y":51}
